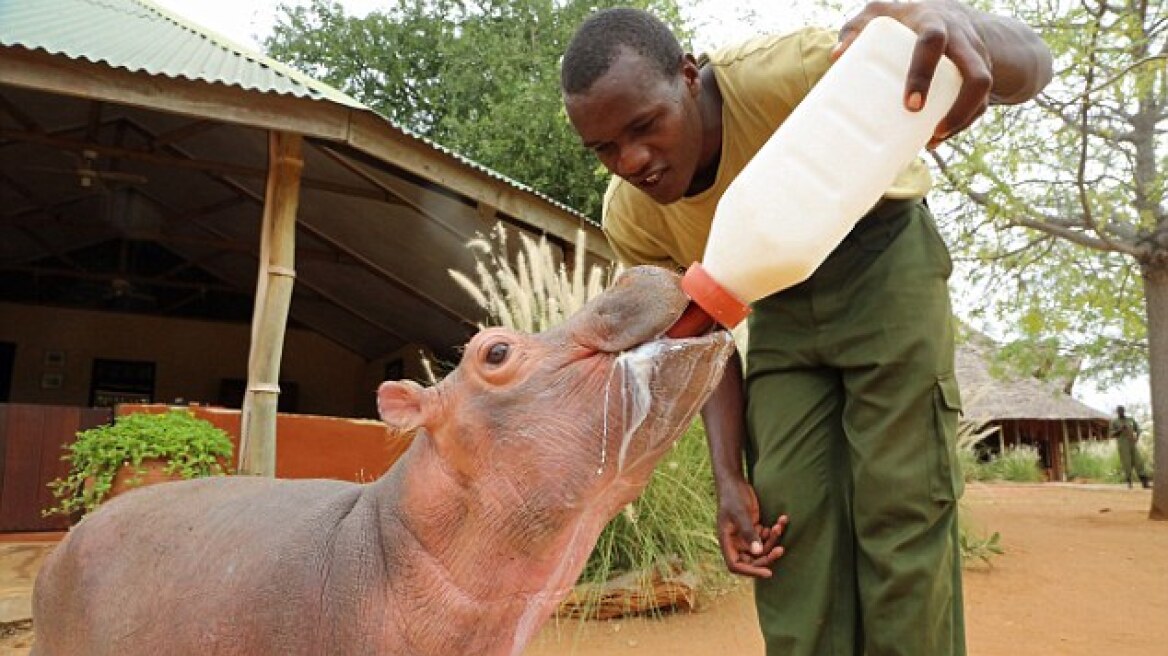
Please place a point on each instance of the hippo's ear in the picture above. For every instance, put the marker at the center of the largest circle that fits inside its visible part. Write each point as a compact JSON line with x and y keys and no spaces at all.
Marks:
{"x":402,"y":404}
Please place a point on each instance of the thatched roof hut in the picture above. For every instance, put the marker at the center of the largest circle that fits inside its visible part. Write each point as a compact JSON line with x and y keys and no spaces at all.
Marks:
{"x":1025,"y":409}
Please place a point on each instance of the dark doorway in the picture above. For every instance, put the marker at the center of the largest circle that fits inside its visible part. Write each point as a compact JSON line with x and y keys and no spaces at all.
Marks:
{"x":7,"y":361}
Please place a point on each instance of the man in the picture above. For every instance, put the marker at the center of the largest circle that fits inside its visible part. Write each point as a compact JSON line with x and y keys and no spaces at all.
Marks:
{"x":849,"y":411}
{"x":1126,"y":432}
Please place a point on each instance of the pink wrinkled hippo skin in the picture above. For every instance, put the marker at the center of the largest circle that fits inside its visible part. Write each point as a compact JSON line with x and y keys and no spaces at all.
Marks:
{"x":464,"y":547}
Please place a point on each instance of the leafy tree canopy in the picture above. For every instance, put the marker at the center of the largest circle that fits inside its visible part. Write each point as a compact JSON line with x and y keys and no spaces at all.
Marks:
{"x":478,"y":76}
{"x":1057,"y":206}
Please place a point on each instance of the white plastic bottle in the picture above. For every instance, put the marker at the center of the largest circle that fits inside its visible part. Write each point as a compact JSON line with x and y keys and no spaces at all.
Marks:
{"x":823,"y":169}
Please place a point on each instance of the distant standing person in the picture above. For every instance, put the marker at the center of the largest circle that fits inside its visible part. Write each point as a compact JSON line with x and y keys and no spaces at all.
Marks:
{"x":1126,"y":432}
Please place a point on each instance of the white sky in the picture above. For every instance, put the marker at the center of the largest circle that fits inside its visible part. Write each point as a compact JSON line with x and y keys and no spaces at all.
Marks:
{"x":248,"y":21}
{"x":718,"y":21}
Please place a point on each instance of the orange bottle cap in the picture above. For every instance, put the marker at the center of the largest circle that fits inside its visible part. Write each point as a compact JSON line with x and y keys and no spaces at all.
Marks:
{"x":726,"y":308}
{"x":693,"y":322}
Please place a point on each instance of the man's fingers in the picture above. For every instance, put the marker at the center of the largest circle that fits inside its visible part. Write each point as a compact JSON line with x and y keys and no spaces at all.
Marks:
{"x":772,"y":534}
{"x":744,"y":527}
{"x":968,"y":53}
{"x":770,"y":557}
{"x":931,"y":44}
{"x":750,"y":569}
{"x":759,"y":567}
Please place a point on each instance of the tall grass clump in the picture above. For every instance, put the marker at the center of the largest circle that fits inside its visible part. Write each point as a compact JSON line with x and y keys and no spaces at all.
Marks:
{"x":1096,"y":462}
{"x":970,"y":435}
{"x":1018,"y":464}
{"x":669,"y":529}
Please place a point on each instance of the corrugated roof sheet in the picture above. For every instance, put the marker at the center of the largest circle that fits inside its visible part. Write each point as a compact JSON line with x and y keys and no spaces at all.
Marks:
{"x":140,"y":36}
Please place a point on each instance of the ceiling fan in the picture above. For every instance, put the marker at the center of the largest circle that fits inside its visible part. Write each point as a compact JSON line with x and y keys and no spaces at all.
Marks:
{"x":90,"y":175}
{"x":124,"y":290}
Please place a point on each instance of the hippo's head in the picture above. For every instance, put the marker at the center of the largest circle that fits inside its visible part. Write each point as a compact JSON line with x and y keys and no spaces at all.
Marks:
{"x":570,"y":421}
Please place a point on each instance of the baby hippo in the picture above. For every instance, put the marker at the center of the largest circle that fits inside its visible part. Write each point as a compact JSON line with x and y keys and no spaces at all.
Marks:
{"x":464,"y":547}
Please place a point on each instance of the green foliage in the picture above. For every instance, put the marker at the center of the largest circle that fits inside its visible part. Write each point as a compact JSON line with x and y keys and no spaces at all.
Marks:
{"x":979,"y":548}
{"x":970,"y":450}
{"x":1017,"y":464}
{"x":975,"y":548}
{"x":670,"y":524}
{"x":1052,"y":206}
{"x":191,"y":448}
{"x":478,"y":76}
{"x":1096,"y":462}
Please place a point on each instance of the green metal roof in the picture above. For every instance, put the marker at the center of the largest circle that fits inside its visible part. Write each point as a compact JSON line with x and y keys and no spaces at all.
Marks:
{"x":140,"y":36}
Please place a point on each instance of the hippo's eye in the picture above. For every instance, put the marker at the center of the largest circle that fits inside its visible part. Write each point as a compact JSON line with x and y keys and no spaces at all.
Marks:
{"x":498,"y":353}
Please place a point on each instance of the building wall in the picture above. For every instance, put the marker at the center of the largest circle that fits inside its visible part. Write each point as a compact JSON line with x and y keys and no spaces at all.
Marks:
{"x":308,"y":446}
{"x":191,"y":358}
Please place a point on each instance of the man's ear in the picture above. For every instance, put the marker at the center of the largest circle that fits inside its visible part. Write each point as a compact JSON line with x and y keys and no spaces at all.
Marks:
{"x":403,"y":404}
{"x":691,"y":72}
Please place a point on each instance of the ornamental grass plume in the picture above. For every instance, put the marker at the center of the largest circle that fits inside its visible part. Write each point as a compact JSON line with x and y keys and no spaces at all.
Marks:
{"x":537,"y":291}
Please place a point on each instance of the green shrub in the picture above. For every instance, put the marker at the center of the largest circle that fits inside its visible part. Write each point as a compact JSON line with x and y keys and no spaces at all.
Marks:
{"x":1018,"y":464}
{"x":1096,"y":462}
{"x":970,"y":436}
{"x":190,"y":447}
{"x":978,"y":549}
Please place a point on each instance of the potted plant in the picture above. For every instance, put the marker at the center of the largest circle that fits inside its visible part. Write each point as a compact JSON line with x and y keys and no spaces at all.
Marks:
{"x":137,"y":449}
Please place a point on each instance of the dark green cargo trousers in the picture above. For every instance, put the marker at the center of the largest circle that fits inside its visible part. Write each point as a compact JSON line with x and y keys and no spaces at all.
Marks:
{"x":852,"y":412}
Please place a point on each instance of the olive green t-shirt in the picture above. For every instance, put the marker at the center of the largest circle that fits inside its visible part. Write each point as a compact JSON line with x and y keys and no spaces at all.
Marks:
{"x":761,"y":81}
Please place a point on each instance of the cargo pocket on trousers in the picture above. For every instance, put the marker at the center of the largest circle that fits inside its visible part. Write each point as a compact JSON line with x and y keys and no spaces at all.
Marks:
{"x":946,"y":479}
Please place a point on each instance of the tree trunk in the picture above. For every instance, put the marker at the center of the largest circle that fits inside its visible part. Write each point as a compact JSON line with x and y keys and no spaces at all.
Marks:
{"x":1156,"y":296}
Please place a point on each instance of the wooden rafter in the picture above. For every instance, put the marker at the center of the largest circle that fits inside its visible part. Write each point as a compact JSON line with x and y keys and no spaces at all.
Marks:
{"x":21,"y":117}
{"x":208,"y":166}
{"x":130,"y":278}
{"x":183,"y":133}
{"x":386,"y":275}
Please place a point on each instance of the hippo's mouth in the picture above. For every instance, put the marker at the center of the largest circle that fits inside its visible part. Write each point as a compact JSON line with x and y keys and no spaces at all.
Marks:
{"x":654,"y":392}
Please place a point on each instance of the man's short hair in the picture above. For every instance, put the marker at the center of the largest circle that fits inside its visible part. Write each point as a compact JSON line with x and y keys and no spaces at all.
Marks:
{"x":601,"y":36}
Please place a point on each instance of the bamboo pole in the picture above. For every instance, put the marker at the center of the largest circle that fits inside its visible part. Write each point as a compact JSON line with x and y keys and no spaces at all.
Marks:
{"x":276,"y":276}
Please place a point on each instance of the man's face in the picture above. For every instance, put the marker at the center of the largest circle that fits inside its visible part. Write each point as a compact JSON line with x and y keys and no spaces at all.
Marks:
{"x":644,"y":127}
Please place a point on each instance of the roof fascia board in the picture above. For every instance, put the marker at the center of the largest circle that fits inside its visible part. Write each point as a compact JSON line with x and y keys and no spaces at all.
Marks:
{"x":69,"y":77}
{"x":361,"y":129}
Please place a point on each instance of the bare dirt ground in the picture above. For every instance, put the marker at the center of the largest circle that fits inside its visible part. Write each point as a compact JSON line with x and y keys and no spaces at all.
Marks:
{"x":1084,"y":574}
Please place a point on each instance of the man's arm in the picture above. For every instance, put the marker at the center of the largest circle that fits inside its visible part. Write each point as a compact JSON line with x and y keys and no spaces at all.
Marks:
{"x":748,"y":547}
{"x":1002,"y":60}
